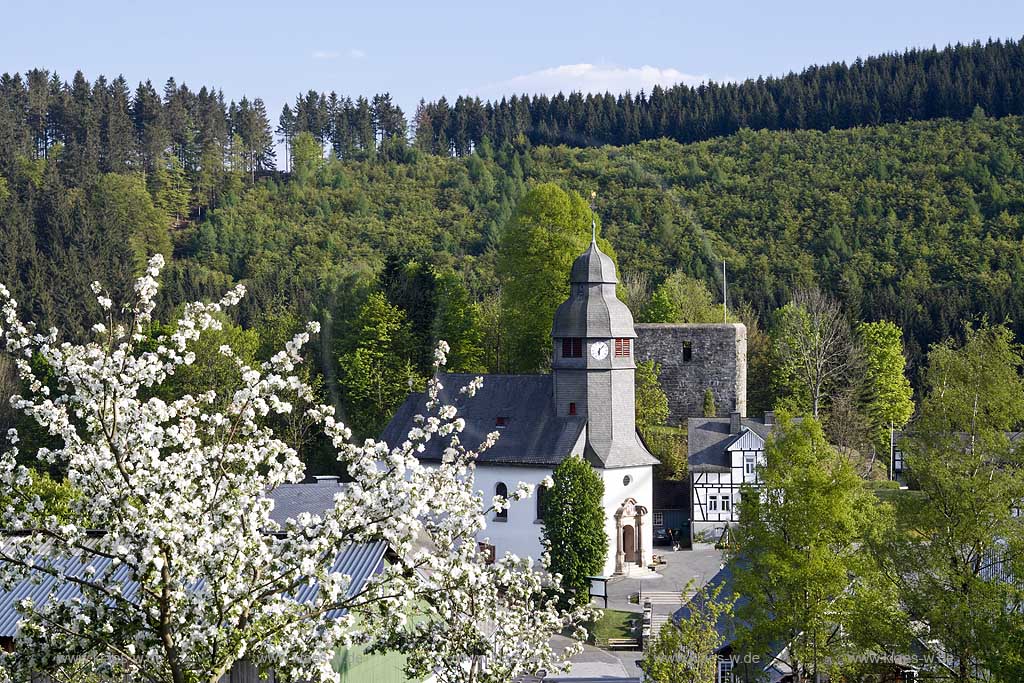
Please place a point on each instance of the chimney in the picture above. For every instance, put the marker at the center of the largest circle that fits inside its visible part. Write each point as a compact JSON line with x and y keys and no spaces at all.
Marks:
{"x":735,"y":422}
{"x":769,"y":418}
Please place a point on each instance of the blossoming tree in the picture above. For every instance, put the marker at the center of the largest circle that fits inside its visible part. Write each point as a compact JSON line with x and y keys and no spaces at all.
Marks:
{"x":183,"y":571}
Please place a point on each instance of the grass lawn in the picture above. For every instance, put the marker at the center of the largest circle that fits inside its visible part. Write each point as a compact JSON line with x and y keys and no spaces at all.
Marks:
{"x":612,"y":623}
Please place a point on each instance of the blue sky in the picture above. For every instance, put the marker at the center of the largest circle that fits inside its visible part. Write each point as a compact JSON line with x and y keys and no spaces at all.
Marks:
{"x":426,"y":49}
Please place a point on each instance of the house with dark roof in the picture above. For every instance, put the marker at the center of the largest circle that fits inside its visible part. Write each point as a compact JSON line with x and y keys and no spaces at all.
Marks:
{"x":723,"y":454}
{"x":585,"y":406}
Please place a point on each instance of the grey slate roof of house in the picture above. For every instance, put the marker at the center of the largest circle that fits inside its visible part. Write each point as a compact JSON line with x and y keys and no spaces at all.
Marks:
{"x":292,"y":499}
{"x":360,"y":561}
{"x":532,"y":435}
{"x":708,"y":440}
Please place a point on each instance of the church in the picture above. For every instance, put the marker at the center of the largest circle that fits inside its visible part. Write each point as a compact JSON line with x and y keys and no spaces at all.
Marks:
{"x":585,"y":406}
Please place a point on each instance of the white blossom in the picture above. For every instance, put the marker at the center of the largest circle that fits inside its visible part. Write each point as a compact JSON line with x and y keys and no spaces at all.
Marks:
{"x":190,"y":573}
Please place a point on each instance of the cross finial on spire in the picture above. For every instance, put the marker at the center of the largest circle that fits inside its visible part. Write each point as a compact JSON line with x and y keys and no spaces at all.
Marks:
{"x":593,"y":218}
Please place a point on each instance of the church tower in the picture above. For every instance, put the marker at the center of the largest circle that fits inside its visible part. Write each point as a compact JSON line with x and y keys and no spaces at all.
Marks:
{"x":593,"y":365}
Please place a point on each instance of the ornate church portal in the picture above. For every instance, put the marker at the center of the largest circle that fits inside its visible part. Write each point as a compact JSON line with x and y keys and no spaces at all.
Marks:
{"x":629,"y":544}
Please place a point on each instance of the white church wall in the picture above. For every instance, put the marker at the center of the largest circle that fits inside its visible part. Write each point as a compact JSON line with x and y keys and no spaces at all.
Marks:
{"x":521,"y":533}
{"x":616,"y":490}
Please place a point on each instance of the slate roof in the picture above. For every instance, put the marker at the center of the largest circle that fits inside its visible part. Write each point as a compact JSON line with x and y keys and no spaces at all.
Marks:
{"x":593,"y":266}
{"x":532,"y":435}
{"x":292,"y":499}
{"x":596,"y":313}
{"x":360,"y":562}
{"x":708,"y":440}
{"x":727,"y":623}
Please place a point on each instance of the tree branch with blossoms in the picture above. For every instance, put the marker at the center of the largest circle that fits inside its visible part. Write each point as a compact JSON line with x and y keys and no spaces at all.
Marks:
{"x":179,"y":569}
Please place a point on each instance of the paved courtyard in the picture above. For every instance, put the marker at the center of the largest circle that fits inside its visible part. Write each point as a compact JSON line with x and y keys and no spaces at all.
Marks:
{"x":665,"y":591}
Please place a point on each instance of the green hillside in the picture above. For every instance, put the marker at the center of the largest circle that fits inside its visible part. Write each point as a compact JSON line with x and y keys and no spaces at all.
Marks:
{"x":919,"y":223}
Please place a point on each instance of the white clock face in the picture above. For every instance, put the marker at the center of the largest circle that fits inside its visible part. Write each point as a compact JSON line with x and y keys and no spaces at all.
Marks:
{"x":599,"y":350}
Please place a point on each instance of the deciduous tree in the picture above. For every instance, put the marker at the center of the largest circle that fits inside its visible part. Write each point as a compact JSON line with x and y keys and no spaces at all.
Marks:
{"x":797,"y":548}
{"x":814,"y":347}
{"x":887,"y":392}
{"x":548,"y":230}
{"x":189,"y":573}
{"x":960,"y":543}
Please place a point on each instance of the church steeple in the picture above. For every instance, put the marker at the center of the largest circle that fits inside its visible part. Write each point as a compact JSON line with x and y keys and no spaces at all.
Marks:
{"x":592,"y":362}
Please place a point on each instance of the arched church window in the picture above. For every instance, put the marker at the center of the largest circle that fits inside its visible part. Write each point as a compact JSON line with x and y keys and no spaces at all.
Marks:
{"x":501,"y":490}
{"x":543,"y":495}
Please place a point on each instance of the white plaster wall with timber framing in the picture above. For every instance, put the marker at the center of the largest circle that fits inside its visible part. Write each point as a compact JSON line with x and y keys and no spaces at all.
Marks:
{"x":716,"y":494}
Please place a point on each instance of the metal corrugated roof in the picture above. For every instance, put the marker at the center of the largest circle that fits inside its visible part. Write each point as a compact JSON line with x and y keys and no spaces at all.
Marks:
{"x":360,"y":562}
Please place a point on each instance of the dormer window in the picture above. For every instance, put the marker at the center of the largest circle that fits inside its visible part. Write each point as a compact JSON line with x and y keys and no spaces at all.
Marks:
{"x":500,"y":422}
{"x":572,"y":347}
{"x":623,"y":348}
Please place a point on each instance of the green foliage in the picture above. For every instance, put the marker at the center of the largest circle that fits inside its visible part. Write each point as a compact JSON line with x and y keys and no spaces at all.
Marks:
{"x":709,"y":403}
{"x":307,"y":157}
{"x":797,"y":545}
{"x":814,"y":350}
{"x":686,"y":651}
{"x":887,"y":392}
{"x":651,"y":401}
{"x":574,"y":526}
{"x":548,"y":230}
{"x":170,"y":188}
{"x":376,"y":373}
{"x":681,"y":299}
{"x":211,"y":369}
{"x":956,"y":534}
{"x":668,"y":445}
{"x":458,"y":322}
{"x":123,"y":205}
{"x":55,"y":497}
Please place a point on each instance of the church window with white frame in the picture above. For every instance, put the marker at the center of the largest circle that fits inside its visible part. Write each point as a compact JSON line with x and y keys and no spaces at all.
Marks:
{"x":726,"y":503}
{"x":712,"y":503}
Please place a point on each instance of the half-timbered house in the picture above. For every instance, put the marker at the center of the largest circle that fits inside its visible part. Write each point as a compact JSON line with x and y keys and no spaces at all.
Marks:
{"x":724,"y":453}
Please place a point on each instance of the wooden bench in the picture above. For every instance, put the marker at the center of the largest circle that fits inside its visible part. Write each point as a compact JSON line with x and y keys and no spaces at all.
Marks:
{"x":623,"y":644}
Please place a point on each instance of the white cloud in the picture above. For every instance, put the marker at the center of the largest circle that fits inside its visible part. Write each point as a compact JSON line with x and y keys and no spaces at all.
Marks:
{"x":356,"y":53}
{"x":326,"y":54}
{"x":589,"y":78}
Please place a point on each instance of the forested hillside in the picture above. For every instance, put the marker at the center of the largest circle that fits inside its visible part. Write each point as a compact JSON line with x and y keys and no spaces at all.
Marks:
{"x":917,"y":222}
{"x":920,"y":222}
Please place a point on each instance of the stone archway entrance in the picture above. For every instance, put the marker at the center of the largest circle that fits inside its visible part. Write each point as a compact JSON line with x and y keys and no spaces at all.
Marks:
{"x":629,"y":541}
